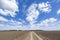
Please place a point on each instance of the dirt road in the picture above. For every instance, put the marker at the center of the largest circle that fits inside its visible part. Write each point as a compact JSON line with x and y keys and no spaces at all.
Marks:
{"x":29,"y":35}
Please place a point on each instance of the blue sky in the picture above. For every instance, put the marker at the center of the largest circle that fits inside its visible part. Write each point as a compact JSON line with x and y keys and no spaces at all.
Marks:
{"x":29,"y":14}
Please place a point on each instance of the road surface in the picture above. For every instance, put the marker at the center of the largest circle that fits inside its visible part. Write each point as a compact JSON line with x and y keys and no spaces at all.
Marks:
{"x":30,"y":35}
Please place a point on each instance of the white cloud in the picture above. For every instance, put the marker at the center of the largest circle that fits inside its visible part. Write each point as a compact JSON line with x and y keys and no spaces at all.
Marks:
{"x":32,"y":13}
{"x":58,"y":12}
{"x":8,"y":7}
{"x":45,"y":24}
{"x":6,"y":24}
{"x":44,"y":7}
{"x":52,"y":23}
{"x":11,"y":24}
{"x":52,"y":19}
{"x":3,"y":19}
{"x":47,"y":21}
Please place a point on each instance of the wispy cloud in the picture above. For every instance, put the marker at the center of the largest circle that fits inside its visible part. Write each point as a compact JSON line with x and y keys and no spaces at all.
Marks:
{"x":8,"y":7}
{"x":32,"y":13}
{"x":3,"y":19}
{"x":58,"y":11}
{"x":11,"y":24}
{"x":44,"y":7}
{"x":35,"y":9}
{"x":47,"y":24}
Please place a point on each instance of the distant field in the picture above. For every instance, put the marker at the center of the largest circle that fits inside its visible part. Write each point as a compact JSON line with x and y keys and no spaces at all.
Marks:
{"x":29,"y":35}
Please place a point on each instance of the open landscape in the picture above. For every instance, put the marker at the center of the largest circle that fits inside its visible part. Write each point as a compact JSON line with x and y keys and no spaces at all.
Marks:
{"x":29,"y":35}
{"x":29,"y":19}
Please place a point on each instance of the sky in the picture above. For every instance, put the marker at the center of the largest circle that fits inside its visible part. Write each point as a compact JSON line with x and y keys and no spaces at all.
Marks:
{"x":30,"y":15}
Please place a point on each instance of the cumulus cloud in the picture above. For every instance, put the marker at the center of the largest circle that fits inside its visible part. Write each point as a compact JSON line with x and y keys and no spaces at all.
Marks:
{"x":32,"y":13}
{"x":13,"y":26}
{"x":6,"y":24}
{"x":13,"y":22}
{"x":58,"y":12}
{"x":35,"y":9}
{"x":47,"y":23}
{"x":44,"y":7}
{"x":8,"y":7}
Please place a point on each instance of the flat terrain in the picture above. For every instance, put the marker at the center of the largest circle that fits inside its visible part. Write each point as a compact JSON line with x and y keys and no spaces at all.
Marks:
{"x":29,"y":35}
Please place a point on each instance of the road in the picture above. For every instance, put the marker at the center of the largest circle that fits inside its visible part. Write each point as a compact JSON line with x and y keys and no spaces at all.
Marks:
{"x":29,"y":35}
